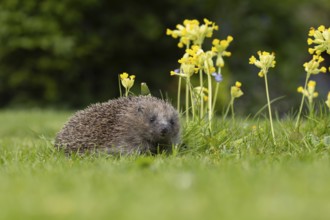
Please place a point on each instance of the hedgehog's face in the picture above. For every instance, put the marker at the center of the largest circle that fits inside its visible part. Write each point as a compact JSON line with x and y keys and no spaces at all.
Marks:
{"x":161,"y":124}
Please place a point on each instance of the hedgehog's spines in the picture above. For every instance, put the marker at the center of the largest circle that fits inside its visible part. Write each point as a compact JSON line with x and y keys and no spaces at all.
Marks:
{"x":122,"y":126}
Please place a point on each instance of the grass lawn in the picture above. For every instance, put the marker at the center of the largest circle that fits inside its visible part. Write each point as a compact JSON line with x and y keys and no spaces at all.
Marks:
{"x":240,"y":175}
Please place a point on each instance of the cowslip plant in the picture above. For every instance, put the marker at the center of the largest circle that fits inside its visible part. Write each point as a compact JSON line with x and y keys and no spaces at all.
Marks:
{"x":320,"y":40}
{"x":127,"y":81}
{"x":320,"y":37}
{"x":266,"y":61}
{"x":187,"y":69}
{"x":310,"y":93}
{"x":220,"y":48}
{"x":202,"y":62}
{"x":235,"y":92}
{"x":311,"y":67}
{"x":191,"y":33}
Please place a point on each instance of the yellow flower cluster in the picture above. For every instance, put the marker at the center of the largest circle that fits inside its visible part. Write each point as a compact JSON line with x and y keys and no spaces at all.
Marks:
{"x":220,"y":47}
{"x":187,"y":68}
{"x":202,"y":60}
{"x":321,"y":38}
{"x":266,"y":60}
{"x":127,"y":81}
{"x":310,"y":92}
{"x":191,"y":31}
{"x":313,"y":66}
{"x":195,"y":59}
{"x":236,"y":91}
{"x":192,"y":34}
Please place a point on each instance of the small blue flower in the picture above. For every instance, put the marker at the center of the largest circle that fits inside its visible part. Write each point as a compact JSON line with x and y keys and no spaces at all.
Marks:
{"x":217,"y":77}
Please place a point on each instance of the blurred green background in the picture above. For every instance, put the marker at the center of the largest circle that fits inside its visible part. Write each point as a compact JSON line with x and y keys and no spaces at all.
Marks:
{"x":67,"y":54}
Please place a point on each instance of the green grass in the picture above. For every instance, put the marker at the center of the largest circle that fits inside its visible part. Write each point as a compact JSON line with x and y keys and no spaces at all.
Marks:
{"x":235,"y":173}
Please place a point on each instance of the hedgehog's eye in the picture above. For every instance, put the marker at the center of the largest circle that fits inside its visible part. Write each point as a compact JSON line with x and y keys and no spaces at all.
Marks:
{"x":172,"y":121}
{"x":152,"y":118}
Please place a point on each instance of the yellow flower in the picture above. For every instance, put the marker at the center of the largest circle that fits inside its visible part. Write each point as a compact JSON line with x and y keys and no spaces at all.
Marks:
{"x":124,"y":75}
{"x":182,"y":31}
{"x":187,"y":68}
{"x":172,"y":33}
{"x":266,"y":60}
{"x":193,"y":60}
{"x":321,"y":39}
{"x":202,"y":60}
{"x":300,"y":89}
{"x":328,"y":100}
{"x":196,"y":54}
{"x":252,"y":60}
{"x":173,"y":73}
{"x":236,"y":91}
{"x":220,"y":47}
{"x":187,"y":65}
{"x":310,"y":91}
{"x":126,"y":80}
{"x":312,"y":67}
{"x":191,"y":31}
{"x":208,"y":62}
{"x":311,"y":84}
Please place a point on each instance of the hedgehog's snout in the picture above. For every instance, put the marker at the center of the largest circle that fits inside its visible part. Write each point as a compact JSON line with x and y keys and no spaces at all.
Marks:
{"x":164,"y":131}
{"x":164,"y":128}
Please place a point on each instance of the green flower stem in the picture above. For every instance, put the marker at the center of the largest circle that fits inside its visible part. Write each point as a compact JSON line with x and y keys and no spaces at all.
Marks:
{"x":232,"y":109}
{"x":269,"y":109}
{"x":201,"y":113}
{"x":301,"y":104}
{"x":179,"y":95}
{"x":311,"y":108}
{"x":187,"y":93}
{"x":215,"y":96}
{"x":216,"y":92}
{"x":209,"y":79}
{"x":231,"y":103}
{"x":187,"y":100}
{"x":191,"y":98}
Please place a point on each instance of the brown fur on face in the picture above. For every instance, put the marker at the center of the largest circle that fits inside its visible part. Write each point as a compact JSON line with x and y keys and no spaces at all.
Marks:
{"x":138,"y":124}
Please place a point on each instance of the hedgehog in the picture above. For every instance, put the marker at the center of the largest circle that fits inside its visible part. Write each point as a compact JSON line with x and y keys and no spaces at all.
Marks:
{"x":126,"y":125}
